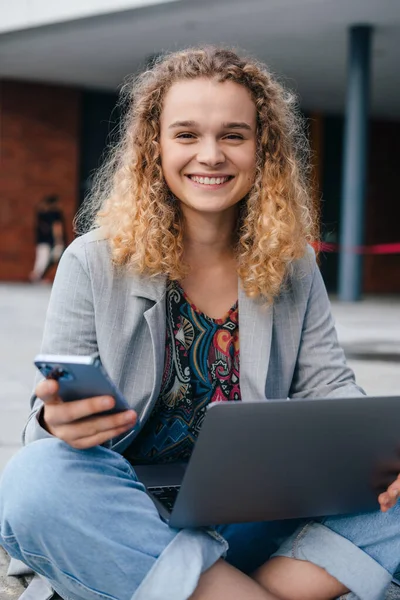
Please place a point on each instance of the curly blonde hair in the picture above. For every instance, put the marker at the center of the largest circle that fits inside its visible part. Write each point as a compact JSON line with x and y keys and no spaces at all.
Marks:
{"x":131,"y":200}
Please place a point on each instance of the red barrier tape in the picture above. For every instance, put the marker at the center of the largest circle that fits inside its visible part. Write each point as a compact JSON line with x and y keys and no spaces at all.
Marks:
{"x":376,"y":249}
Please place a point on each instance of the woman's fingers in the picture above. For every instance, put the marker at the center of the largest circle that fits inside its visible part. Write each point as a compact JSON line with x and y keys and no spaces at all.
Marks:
{"x":389,"y":498}
{"x":99,"y":438}
{"x":78,"y":423}
{"x":94,"y":426}
{"x":68,"y":412}
{"x":47,"y":390}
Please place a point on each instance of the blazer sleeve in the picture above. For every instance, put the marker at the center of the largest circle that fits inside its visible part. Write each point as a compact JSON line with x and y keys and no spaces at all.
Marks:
{"x":321,"y":370}
{"x":70,"y":322}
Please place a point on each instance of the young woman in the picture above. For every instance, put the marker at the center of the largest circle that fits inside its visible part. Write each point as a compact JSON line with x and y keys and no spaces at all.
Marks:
{"x":196,"y":285}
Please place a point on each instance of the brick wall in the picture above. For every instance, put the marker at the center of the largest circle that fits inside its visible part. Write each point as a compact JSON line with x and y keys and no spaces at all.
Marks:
{"x":39,"y":156}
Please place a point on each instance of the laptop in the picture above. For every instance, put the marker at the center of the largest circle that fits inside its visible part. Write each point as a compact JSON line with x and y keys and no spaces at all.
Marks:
{"x":280,"y":459}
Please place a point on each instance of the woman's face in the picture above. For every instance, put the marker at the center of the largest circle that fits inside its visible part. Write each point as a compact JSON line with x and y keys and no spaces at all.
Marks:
{"x":208,"y":143}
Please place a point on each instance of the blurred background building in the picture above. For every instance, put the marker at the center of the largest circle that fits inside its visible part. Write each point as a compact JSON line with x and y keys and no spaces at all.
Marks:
{"x":61,"y":65}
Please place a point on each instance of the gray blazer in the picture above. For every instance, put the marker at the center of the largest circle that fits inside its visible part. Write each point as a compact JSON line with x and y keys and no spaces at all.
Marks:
{"x":289,"y":349}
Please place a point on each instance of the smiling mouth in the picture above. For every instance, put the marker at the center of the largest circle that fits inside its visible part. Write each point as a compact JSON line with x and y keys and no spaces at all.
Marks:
{"x":210,"y":180}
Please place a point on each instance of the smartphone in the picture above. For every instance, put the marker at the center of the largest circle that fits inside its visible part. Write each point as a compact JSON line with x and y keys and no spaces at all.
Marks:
{"x":80,"y":377}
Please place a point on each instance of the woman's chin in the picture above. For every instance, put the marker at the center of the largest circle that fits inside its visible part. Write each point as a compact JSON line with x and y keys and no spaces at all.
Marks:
{"x":207,"y":209}
{"x":208,"y":205}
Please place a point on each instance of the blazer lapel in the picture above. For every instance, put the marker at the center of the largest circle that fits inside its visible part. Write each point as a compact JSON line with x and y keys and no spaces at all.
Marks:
{"x":255,"y":333}
{"x":156,"y":321}
{"x":154,"y":289}
{"x":149,"y":372}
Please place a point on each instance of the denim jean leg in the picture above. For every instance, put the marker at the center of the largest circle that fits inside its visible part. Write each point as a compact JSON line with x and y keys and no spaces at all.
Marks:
{"x":376,"y":533}
{"x":82,"y":519}
{"x":362,"y":551}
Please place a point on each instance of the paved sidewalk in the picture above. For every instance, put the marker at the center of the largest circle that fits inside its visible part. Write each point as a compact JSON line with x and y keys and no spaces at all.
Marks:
{"x":22,"y":314}
{"x":369,"y":332}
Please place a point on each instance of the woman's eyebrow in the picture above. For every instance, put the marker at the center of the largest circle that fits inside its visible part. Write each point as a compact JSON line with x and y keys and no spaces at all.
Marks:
{"x":237,"y":125}
{"x":232,"y":125}
{"x":183,"y":124}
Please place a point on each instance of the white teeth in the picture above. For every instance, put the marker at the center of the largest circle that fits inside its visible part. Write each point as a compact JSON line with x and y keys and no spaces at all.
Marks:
{"x":209,"y":180}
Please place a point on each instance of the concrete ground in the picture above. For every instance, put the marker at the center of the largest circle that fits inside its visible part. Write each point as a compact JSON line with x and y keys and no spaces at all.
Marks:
{"x":22,"y":314}
{"x":368,"y":330}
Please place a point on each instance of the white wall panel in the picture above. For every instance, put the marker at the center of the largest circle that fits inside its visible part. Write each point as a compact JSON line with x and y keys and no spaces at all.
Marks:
{"x":23,"y":14}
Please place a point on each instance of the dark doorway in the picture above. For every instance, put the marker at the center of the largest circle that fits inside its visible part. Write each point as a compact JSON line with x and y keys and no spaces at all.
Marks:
{"x":331,"y":196}
{"x":100,"y":120}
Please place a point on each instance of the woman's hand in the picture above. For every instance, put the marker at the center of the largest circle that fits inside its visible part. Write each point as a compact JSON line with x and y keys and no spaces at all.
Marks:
{"x":389,"y":498}
{"x":77,"y":422}
{"x":387,"y":481}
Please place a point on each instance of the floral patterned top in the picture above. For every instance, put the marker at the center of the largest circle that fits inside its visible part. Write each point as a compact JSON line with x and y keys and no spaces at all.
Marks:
{"x":201,"y":366}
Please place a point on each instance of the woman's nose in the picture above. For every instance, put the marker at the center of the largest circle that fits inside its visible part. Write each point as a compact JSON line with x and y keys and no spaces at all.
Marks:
{"x":210,"y":153}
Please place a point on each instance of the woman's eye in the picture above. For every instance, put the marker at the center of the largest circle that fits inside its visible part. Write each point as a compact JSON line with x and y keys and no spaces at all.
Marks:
{"x":234,"y":136}
{"x":185,"y":136}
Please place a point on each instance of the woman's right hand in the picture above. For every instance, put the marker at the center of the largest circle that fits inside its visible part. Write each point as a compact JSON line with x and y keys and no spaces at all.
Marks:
{"x":77,"y":423}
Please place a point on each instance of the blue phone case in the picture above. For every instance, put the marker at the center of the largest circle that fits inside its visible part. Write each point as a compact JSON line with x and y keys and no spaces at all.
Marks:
{"x":80,"y":377}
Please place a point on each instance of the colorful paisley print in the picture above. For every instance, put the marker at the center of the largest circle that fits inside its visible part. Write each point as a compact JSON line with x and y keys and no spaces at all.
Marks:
{"x":201,"y":365}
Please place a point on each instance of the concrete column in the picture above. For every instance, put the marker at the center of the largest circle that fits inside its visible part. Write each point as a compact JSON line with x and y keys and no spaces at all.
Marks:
{"x":354,"y":163}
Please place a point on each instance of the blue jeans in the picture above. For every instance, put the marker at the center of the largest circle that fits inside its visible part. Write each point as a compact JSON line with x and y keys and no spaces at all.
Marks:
{"x":83,"y":520}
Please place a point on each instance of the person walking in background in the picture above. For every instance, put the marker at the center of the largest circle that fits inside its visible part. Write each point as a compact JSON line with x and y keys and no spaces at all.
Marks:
{"x":50,"y":237}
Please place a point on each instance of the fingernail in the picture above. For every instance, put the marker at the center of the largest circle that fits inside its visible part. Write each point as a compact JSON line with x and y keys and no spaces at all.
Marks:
{"x":49,"y":386}
{"x":107,"y":402}
{"x":129,"y":417}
